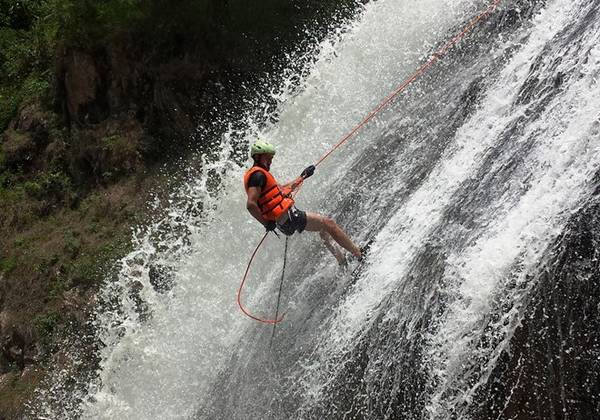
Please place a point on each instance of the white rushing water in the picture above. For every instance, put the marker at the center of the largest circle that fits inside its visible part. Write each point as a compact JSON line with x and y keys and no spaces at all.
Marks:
{"x":166,"y":364}
{"x":161,"y":368}
{"x":565,"y":157}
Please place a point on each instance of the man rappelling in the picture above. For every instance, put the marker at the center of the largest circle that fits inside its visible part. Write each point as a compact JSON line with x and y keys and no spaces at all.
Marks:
{"x":272,"y":204}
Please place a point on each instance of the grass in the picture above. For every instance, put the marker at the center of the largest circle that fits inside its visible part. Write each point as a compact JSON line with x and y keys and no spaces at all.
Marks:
{"x":16,"y":389}
{"x":7,"y":265}
{"x":71,"y":248}
{"x":67,"y":253}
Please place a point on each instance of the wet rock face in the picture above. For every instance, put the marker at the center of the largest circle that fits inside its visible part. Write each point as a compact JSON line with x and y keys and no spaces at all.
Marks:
{"x":82,"y":85}
{"x":122,"y":82}
{"x":16,"y":345}
{"x":553,"y":368}
{"x":161,"y":278}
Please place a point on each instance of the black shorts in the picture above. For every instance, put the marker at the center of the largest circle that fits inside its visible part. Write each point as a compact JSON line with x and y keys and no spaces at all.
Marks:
{"x":295,"y":221}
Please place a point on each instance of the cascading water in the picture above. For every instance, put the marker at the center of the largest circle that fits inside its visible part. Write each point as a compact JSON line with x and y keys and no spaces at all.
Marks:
{"x":464,"y":184}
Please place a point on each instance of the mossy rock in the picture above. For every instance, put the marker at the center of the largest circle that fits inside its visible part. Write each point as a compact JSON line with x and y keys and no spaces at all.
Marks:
{"x":17,"y":148}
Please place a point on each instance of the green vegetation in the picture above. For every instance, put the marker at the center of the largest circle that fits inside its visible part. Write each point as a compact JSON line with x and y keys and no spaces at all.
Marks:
{"x":7,"y":265}
{"x":45,"y":325}
{"x":16,"y":390}
{"x":27,"y":45}
{"x":227,"y":32}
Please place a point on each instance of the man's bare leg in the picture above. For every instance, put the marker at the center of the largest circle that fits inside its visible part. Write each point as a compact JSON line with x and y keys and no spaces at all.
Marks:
{"x":317,"y":223}
{"x":332,"y":248}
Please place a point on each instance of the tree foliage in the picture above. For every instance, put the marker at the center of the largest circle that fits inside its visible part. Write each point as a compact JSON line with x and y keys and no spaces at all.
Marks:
{"x":224,"y":31}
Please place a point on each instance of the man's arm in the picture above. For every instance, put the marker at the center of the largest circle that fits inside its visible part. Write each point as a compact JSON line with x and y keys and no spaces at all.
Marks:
{"x":252,"y":204}
{"x":306,"y":173}
{"x":294,"y":184}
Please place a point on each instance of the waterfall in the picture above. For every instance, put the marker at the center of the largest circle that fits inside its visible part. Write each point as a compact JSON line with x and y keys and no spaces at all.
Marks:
{"x":464,"y":185}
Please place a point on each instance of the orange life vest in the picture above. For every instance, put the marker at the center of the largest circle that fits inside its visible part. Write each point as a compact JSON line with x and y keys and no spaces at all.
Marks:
{"x":274,"y":200}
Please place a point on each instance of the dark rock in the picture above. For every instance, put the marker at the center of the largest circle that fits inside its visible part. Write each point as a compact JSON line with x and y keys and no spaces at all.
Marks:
{"x":12,"y":352}
{"x":35,"y":120}
{"x":122,"y":81}
{"x":18,"y":148}
{"x":82,"y":84}
{"x":161,"y":278}
{"x":552,"y":369}
{"x":141,"y":306}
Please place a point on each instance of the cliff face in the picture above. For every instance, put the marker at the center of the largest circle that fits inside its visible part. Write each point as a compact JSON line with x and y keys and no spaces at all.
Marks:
{"x":94,"y":98}
{"x":552,"y":368}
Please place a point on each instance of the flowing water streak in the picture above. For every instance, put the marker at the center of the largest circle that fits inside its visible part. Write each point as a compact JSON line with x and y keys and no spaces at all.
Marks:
{"x":159,"y":367}
{"x":421,"y":214}
{"x":139,"y":364}
{"x":568,"y":150}
{"x":315,"y":375}
{"x":565,"y":158}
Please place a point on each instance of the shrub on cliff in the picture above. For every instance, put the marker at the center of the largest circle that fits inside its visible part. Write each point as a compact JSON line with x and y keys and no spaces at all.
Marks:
{"x":26,"y":50}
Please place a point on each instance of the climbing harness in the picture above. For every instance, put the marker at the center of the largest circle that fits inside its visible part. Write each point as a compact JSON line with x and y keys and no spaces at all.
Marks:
{"x":435,"y":57}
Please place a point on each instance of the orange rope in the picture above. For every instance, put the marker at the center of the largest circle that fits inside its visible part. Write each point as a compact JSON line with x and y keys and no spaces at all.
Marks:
{"x":239,"y":292}
{"x":420,"y":71}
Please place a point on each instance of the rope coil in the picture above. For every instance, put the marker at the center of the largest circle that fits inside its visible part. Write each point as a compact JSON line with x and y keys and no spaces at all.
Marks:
{"x":239,"y":292}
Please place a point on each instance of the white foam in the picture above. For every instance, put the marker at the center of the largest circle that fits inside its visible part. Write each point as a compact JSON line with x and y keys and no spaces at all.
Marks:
{"x":565,"y":158}
{"x":162,"y":368}
{"x":566,"y":155}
